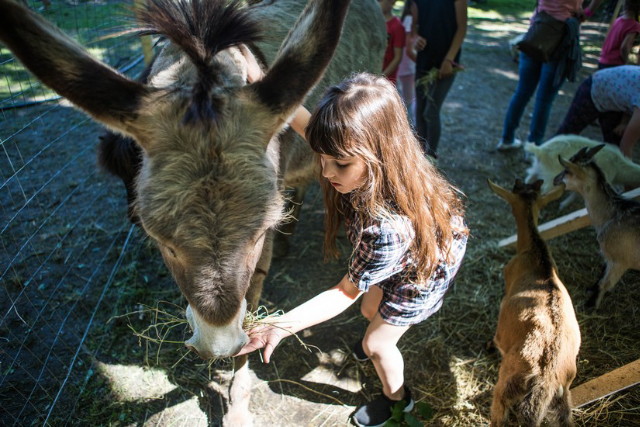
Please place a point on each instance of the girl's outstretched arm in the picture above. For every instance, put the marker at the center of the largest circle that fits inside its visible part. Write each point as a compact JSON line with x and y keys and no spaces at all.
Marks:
{"x":318,"y":309}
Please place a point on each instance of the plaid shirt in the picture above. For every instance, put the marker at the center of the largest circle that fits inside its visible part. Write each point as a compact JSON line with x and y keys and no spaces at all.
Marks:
{"x":381,"y":257}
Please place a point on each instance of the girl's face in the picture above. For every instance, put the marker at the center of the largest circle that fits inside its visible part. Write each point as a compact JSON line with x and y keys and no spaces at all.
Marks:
{"x":345,"y":174}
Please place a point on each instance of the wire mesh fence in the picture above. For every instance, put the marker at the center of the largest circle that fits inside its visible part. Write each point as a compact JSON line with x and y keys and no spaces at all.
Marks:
{"x":64,"y":236}
{"x":63,"y":226}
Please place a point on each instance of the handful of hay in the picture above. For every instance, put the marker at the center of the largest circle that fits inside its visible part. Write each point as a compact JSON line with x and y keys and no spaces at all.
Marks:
{"x":164,"y":321}
{"x":432,"y":76}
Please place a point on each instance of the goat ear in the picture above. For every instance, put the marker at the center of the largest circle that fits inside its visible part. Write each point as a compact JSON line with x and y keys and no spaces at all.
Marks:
{"x":593,"y":151}
{"x":565,"y":163}
{"x":500,"y":191}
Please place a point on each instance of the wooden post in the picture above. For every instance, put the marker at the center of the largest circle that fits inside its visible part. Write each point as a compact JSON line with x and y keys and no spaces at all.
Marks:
{"x":606,"y":384}
{"x":565,"y":224}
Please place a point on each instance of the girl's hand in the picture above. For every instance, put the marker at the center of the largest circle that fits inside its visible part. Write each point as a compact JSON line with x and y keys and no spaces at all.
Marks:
{"x":420,"y":43}
{"x":264,"y":336}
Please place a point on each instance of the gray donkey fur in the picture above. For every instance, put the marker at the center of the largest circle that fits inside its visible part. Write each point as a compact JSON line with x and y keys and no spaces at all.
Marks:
{"x":216,"y":153}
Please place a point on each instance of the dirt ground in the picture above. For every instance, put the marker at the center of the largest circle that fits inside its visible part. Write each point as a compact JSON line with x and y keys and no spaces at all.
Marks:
{"x":124,"y":379}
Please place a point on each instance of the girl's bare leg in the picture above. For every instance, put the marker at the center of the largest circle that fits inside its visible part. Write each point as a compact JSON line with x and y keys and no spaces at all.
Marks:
{"x":380,"y":344}
{"x":370,"y":302}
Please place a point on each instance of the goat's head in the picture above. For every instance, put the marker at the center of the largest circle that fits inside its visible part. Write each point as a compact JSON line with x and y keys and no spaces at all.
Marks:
{"x":579,"y":170}
{"x":525,"y":196}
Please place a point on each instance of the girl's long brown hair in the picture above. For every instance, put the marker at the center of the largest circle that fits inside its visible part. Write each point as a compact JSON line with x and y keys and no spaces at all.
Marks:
{"x":364,"y":116}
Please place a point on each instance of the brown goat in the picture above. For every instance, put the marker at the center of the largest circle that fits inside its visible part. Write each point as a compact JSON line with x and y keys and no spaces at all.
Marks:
{"x":615,"y":218}
{"x":537,"y":334}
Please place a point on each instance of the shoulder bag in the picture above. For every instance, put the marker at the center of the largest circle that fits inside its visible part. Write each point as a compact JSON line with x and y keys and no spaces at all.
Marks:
{"x":543,"y":37}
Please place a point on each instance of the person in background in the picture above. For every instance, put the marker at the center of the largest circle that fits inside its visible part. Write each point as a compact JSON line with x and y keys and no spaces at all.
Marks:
{"x":621,"y":37}
{"x":440,"y":27}
{"x":407,"y":68}
{"x":395,"y":41}
{"x":404,"y":219}
{"x":543,"y":78}
{"x":611,"y":90}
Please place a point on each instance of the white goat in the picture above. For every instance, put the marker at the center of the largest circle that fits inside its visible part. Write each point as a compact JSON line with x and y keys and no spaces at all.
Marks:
{"x":617,"y":169}
{"x":537,"y":333}
{"x":615,"y":218}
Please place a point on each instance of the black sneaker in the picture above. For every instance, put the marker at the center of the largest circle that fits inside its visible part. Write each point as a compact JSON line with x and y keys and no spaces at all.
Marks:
{"x":379,"y":411}
{"x":358,"y":352}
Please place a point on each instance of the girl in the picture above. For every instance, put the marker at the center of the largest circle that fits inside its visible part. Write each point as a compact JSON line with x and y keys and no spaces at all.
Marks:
{"x":403,"y":218}
{"x":621,"y":37}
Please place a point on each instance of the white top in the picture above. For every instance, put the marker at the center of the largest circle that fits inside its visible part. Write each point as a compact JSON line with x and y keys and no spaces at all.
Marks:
{"x":407,"y":66}
{"x":616,"y":88}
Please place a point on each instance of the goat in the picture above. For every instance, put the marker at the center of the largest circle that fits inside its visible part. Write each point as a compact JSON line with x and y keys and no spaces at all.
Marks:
{"x":615,"y":218}
{"x":618,"y":169}
{"x":537,"y":333}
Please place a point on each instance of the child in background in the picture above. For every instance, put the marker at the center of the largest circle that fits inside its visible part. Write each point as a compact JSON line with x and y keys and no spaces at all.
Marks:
{"x":440,"y":27}
{"x":612,"y":96}
{"x":407,"y":68}
{"x":621,"y":37}
{"x":404,"y":219}
{"x":395,"y":41}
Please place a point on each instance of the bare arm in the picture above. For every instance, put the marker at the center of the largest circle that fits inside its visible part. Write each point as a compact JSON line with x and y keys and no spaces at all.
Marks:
{"x":631,"y":133}
{"x":318,"y":309}
{"x":418,"y":41}
{"x":446,"y":68}
{"x":300,"y":118}
{"x":589,"y":10}
{"x":393,"y":65}
{"x":626,"y":46}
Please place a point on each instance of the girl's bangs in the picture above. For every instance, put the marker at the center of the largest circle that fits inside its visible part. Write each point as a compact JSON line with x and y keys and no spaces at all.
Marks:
{"x":329,"y":136}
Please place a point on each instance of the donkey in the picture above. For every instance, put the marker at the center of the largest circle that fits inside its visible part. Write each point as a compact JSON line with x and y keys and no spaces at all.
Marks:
{"x":215,"y":153}
{"x":537,"y":333}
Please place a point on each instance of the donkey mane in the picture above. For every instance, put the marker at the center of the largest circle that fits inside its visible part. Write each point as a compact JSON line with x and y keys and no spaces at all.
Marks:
{"x":201,"y":28}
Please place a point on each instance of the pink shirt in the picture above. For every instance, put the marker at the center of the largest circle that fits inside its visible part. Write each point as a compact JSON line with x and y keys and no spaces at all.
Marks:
{"x":610,"y":54}
{"x":560,"y":9}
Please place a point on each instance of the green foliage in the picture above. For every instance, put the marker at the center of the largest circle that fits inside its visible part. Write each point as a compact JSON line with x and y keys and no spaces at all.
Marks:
{"x":500,"y":9}
{"x":399,"y":418}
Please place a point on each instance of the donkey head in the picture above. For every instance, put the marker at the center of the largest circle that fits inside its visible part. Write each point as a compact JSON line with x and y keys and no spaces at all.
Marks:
{"x":208,"y":191}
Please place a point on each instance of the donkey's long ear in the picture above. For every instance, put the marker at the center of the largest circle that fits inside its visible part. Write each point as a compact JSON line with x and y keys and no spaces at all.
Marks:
{"x":304,"y":55}
{"x":63,"y":65}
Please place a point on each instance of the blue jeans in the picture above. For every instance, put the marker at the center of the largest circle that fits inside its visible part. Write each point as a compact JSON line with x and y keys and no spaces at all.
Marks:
{"x":532,"y":74}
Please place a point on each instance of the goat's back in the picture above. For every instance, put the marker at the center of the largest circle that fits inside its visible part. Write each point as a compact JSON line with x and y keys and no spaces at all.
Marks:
{"x":539,"y":338}
{"x":617,"y":168}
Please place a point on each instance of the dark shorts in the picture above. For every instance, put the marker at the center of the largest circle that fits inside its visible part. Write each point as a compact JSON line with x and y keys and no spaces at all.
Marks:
{"x":405,"y":304}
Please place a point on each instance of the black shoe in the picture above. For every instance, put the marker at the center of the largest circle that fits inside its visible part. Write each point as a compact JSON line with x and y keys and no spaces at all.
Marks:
{"x":379,"y":411}
{"x":358,"y":352}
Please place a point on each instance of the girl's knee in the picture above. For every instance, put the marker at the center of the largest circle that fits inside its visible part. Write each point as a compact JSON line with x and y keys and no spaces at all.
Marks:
{"x":374,"y":348}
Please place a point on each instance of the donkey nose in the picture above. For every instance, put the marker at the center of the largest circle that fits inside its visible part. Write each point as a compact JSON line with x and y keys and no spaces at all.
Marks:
{"x":200,"y":354}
